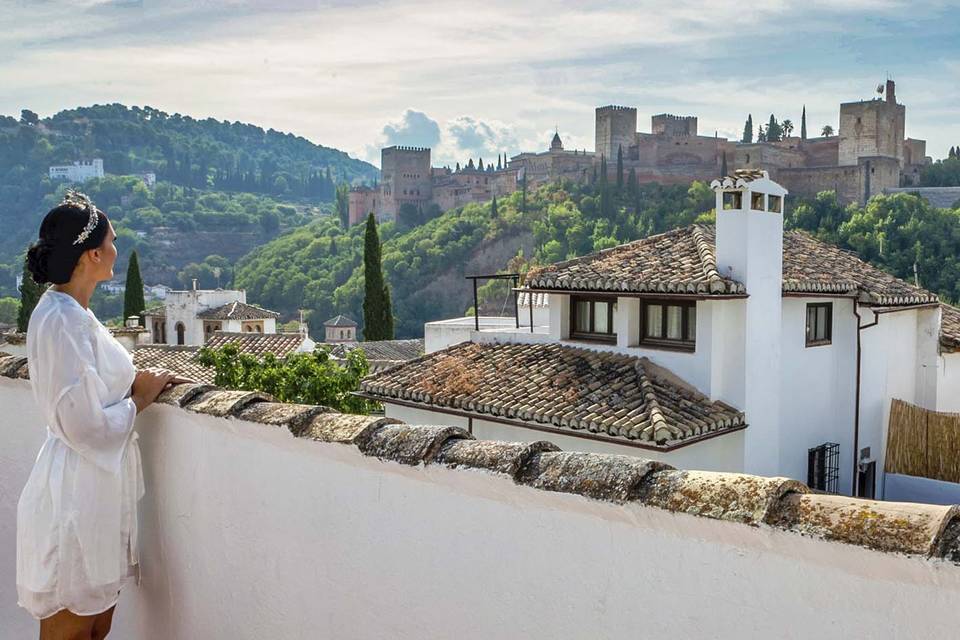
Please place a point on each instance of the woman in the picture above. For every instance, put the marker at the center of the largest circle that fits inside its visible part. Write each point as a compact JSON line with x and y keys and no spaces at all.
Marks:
{"x":77,"y":515}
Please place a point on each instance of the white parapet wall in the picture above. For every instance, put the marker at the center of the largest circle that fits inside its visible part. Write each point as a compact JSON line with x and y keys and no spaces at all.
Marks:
{"x":344,"y":532}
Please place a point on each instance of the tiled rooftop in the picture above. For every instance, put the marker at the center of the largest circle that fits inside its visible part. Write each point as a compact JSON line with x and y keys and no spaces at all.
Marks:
{"x":340,"y":321}
{"x":237,"y":310}
{"x":920,"y":530}
{"x":617,"y":397}
{"x":381,"y":354}
{"x":683,"y":261}
{"x":258,"y":344}
{"x":949,"y":328}
{"x":179,"y":359}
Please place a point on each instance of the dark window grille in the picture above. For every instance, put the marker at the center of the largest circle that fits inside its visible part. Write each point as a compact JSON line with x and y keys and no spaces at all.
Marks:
{"x":819,"y":323}
{"x":823,"y":467}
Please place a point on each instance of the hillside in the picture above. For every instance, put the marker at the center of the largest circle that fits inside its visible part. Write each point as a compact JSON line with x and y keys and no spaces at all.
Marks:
{"x":320,"y":267}
{"x":242,"y":170}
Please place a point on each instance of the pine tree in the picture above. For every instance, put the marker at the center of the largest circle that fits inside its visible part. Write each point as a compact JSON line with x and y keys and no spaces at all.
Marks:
{"x":748,"y":129}
{"x":493,"y":208}
{"x":620,"y":167}
{"x":377,"y":315}
{"x":803,"y":123}
{"x":30,"y":293}
{"x":343,"y":205}
{"x":774,"y":132}
{"x":133,"y":302}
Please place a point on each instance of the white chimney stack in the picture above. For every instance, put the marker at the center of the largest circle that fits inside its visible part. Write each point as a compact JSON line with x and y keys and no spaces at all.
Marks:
{"x":750,"y":250}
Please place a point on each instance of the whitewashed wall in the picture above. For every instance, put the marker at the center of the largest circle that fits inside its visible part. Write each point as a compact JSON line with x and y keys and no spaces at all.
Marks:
{"x":948,"y":382}
{"x":249,"y":533}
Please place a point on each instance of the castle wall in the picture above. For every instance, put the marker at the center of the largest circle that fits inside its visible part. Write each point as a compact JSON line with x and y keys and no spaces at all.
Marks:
{"x":874,"y":128}
{"x":362,"y":201}
{"x":767,"y":156}
{"x":821,"y":152}
{"x":667,"y":124}
{"x":856,"y":183}
{"x":406,"y":178}
{"x":662,"y":151}
{"x":615,"y":127}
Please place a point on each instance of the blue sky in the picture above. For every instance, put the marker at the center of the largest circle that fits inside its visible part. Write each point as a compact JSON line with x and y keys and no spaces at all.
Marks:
{"x":479,"y":78}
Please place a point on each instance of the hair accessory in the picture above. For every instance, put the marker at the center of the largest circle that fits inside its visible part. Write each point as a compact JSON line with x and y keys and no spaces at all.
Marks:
{"x":83,"y":202}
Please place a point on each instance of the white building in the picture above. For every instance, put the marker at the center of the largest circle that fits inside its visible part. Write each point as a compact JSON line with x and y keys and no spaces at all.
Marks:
{"x":190,"y":317}
{"x":339,"y":329}
{"x":733,"y":348}
{"x":79,"y":171}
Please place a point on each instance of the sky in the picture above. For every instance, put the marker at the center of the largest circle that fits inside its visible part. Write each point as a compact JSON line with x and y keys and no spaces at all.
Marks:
{"x":480,"y":78}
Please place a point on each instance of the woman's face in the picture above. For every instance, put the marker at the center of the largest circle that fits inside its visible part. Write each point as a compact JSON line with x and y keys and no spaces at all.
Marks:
{"x":103,"y":257}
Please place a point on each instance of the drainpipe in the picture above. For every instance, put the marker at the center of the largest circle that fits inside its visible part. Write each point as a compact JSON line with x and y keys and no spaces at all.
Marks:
{"x":856,"y":402}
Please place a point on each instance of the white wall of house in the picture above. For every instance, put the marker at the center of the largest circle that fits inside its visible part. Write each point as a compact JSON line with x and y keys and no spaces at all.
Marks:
{"x":723,"y":453}
{"x":817,"y":388}
{"x":247,"y":532}
{"x":948,"y":382}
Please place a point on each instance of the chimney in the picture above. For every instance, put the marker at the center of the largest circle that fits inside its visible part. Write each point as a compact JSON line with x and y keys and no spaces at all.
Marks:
{"x":749,"y":249}
{"x":891,"y":92}
{"x":194,"y":284}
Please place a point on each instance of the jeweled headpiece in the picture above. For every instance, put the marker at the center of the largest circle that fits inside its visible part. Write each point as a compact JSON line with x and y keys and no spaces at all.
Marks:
{"x":81,"y":201}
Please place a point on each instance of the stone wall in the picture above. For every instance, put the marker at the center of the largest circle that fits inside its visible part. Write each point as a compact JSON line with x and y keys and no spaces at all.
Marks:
{"x":871,"y":128}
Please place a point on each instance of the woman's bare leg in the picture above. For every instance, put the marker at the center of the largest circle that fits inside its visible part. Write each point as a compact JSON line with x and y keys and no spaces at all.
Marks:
{"x":65,"y":625}
{"x":101,"y":626}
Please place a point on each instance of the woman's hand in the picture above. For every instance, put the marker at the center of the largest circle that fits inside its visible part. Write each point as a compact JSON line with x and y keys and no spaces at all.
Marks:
{"x":148,"y":384}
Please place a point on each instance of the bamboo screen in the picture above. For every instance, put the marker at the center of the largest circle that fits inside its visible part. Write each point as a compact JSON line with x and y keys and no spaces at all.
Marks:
{"x":923,"y":443}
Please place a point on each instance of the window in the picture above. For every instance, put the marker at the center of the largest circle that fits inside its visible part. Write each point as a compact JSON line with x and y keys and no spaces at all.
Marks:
{"x":756,"y":201}
{"x":666,"y":323}
{"x":867,"y":480}
{"x":775,"y":204}
{"x":732,"y":200}
{"x":181,"y":330}
{"x":819,"y":323}
{"x":823,"y":467}
{"x":592,"y":318}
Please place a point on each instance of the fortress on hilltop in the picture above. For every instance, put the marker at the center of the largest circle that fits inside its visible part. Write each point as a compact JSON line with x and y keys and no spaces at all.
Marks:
{"x":870,"y":154}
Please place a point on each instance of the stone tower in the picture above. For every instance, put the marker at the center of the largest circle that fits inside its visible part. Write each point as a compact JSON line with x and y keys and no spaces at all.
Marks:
{"x":872,"y":128}
{"x":616,"y":127}
{"x":405,"y":178}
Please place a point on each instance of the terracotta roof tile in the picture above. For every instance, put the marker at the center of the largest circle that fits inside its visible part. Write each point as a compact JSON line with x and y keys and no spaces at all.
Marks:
{"x":340,"y":321}
{"x":258,"y":344}
{"x":381,"y":354}
{"x":179,"y":359}
{"x":620,"y":397}
{"x":237,"y":310}
{"x":683,"y":261}
{"x":949,"y":328}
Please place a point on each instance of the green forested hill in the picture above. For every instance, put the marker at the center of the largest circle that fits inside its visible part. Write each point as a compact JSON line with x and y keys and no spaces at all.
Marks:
{"x":319,"y":267}
{"x":223,"y":187}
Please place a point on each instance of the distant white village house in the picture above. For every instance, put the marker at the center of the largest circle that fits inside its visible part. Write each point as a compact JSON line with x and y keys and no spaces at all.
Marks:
{"x":735,"y":347}
{"x":191,"y":317}
{"x":79,"y":171}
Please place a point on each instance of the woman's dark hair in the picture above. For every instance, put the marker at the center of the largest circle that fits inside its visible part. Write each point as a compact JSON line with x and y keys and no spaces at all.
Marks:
{"x":69,"y":229}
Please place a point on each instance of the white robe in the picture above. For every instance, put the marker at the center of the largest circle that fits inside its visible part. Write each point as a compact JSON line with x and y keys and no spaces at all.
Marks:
{"x":77,"y":515}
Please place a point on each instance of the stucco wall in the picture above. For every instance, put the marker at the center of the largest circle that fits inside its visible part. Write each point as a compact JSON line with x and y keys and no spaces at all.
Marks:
{"x":948,"y":382}
{"x":248,"y":532}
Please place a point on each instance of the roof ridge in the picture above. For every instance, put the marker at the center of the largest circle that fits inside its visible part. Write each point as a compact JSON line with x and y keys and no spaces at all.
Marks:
{"x":708,"y":259}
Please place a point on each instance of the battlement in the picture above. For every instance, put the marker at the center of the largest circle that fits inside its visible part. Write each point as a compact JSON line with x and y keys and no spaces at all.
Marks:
{"x":613,"y":107}
{"x":669,"y":124}
{"x":407,"y":149}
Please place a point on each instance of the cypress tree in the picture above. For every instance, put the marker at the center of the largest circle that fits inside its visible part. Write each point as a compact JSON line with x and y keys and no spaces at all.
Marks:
{"x":493,"y":208}
{"x":603,"y":170}
{"x":480,"y":165}
{"x":343,"y":205}
{"x":620,"y":166}
{"x":803,"y":123}
{"x":632,"y":181}
{"x":133,"y":302}
{"x":523,"y":193}
{"x":748,"y":130}
{"x":30,"y":293}
{"x":774,"y":132}
{"x":723,"y":165}
{"x":377,"y":315}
